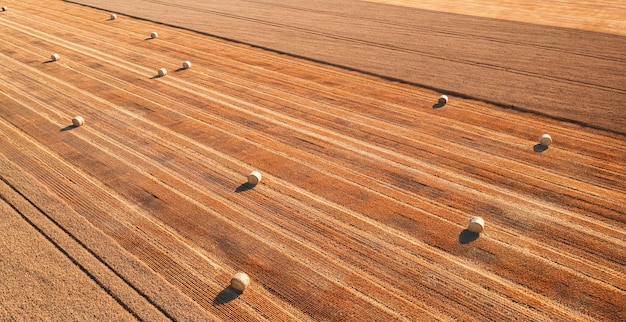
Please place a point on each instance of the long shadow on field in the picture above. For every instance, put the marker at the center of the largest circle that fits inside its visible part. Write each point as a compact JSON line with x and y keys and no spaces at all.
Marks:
{"x":438,"y":105}
{"x":226,"y":295}
{"x":243,"y":187}
{"x":156,"y":76}
{"x":466,"y":236}
{"x":69,"y":127}
{"x":540,"y":148}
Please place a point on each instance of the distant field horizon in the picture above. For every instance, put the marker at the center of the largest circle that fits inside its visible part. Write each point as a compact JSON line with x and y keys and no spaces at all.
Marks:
{"x":595,"y":15}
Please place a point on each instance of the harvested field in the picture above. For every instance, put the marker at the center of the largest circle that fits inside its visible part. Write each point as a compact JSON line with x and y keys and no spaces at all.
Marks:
{"x":367,"y":184}
{"x":568,"y":74}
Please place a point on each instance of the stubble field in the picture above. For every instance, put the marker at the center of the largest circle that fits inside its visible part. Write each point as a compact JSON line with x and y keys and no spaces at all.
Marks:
{"x":367,"y":184}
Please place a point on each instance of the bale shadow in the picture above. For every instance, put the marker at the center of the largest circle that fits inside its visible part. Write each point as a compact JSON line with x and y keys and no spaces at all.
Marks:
{"x":69,"y":127}
{"x":48,"y":61}
{"x":244,"y":186}
{"x":540,"y":148}
{"x":148,"y":38}
{"x":179,"y":69}
{"x":226,"y":295}
{"x":156,"y":76}
{"x":466,"y":236}
{"x":438,"y":105}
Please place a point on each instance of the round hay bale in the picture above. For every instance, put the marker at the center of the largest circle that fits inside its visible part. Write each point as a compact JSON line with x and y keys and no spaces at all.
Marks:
{"x":78,"y":121}
{"x":254,"y":178}
{"x":476,"y":224}
{"x":545,"y":139}
{"x":240,"y":281}
{"x":443,"y":100}
{"x":154,"y":34}
{"x":162,"y":72}
{"x":55,"y":57}
{"x":113,"y":16}
{"x":4,"y":8}
{"x":186,"y":64}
